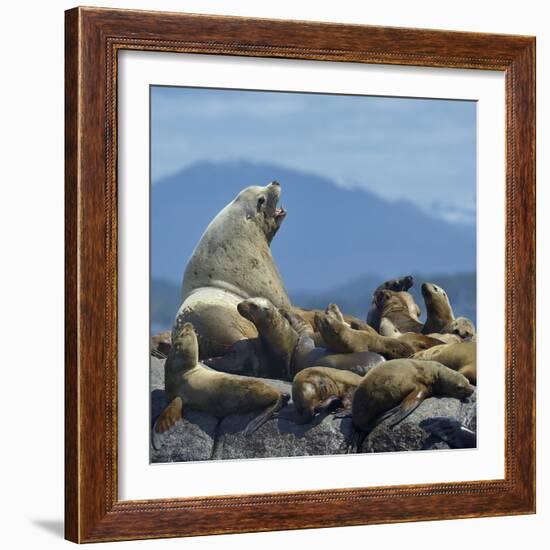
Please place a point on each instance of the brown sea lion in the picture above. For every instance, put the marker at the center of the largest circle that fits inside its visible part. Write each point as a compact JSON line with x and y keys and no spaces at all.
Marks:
{"x":461,"y":357}
{"x":440,"y":317}
{"x":397,"y":285}
{"x":188,"y":383}
{"x":398,"y":312}
{"x":318,"y":389}
{"x":439,"y":312}
{"x":416,"y":341}
{"x":396,"y":388}
{"x":288,"y":337}
{"x":461,"y":327}
{"x":232,"y":262}
{"x":341,"y":338}
{"x":445,"y":338}
{"x":309,"y":316}
{"x":308,"y":354}
{"x":274,"y":330}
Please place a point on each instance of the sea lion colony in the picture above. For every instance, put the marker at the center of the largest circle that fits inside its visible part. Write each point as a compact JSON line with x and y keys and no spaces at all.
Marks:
{"x":236,"y":326}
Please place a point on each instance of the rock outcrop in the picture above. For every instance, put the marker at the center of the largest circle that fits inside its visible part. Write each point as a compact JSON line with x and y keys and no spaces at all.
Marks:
{"x":203,"y":437}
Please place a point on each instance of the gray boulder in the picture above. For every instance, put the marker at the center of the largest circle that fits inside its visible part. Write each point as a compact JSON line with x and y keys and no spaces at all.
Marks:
{"x":203,"y":437}
{"x":409,"y":436}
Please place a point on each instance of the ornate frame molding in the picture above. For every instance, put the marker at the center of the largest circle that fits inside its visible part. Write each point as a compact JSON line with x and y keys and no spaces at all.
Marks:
{"x":93,"y":38}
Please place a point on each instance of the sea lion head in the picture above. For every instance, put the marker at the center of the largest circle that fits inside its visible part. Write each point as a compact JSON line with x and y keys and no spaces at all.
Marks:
{"x":185,"y":343}
{"x":259,"y":206}
{"x":453,"y":384}
{"x":436,"y":300}
{"x":381,"y":297}
{"x":257,"y":310}
{"x":431,"y":292}
{"x":396,"y":301}
{"x":396,"y":349}
{"x":461,"y":327}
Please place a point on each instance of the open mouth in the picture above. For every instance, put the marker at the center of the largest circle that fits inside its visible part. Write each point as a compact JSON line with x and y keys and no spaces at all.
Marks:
{"x":280,"y":212}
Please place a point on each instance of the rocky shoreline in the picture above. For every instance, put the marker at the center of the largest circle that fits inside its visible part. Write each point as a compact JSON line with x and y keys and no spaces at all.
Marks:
{"x":203,"y":437}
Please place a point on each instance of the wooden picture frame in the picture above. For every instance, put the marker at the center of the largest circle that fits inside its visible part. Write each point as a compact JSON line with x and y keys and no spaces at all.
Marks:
{"x":93,"y":511}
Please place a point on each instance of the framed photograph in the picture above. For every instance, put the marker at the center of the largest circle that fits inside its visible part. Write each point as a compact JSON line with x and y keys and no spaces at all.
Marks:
{"x":289,"y":245}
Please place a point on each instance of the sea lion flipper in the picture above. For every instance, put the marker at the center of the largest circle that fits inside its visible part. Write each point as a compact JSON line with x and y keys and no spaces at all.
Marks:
{"x":330,"y":403}
{"x":268,"y":413}
{"x":356,"y":324}
{"x":408,"y":405}
{"x":297,"y":322}
{"x":167,"y":418}
{"x":334,"y":311}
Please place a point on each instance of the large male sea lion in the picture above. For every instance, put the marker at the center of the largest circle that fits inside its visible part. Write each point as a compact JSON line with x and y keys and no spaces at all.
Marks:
{"x":232,"y":262}
{"x":396,"y":388}
{"x":188,"y":383}
{"x":318,"y":389}
{"x":461,"y":357}
{"x":397,"y":285}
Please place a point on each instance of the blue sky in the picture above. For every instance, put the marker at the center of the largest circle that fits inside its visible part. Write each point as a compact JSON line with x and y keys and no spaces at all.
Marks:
{"x":422,"y":150}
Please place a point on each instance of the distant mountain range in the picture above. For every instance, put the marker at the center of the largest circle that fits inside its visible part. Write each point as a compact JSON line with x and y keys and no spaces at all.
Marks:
{"x":353,"y":298}
{"x":331,"y":234}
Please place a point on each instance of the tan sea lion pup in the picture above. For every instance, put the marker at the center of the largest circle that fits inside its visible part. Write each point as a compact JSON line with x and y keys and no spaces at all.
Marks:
{"x":438,"y":308}
{"x":461,"y":327}
{"x":418,"y":342}
{"x":274,"y":330}
{"x":318,"y":389}
{"x":396,"y":388}
{"x":461,"y":357}
{"x":190,"y":384}
{"x":398,"y":312}
{"x":415,"y":340}
{"x":232,"y":262}
{"x":397,"y":285}
{"x":288,"y":339}
{"x":440,"y":317}
{"x":309,"y":316}
{"x":341,"y":338}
